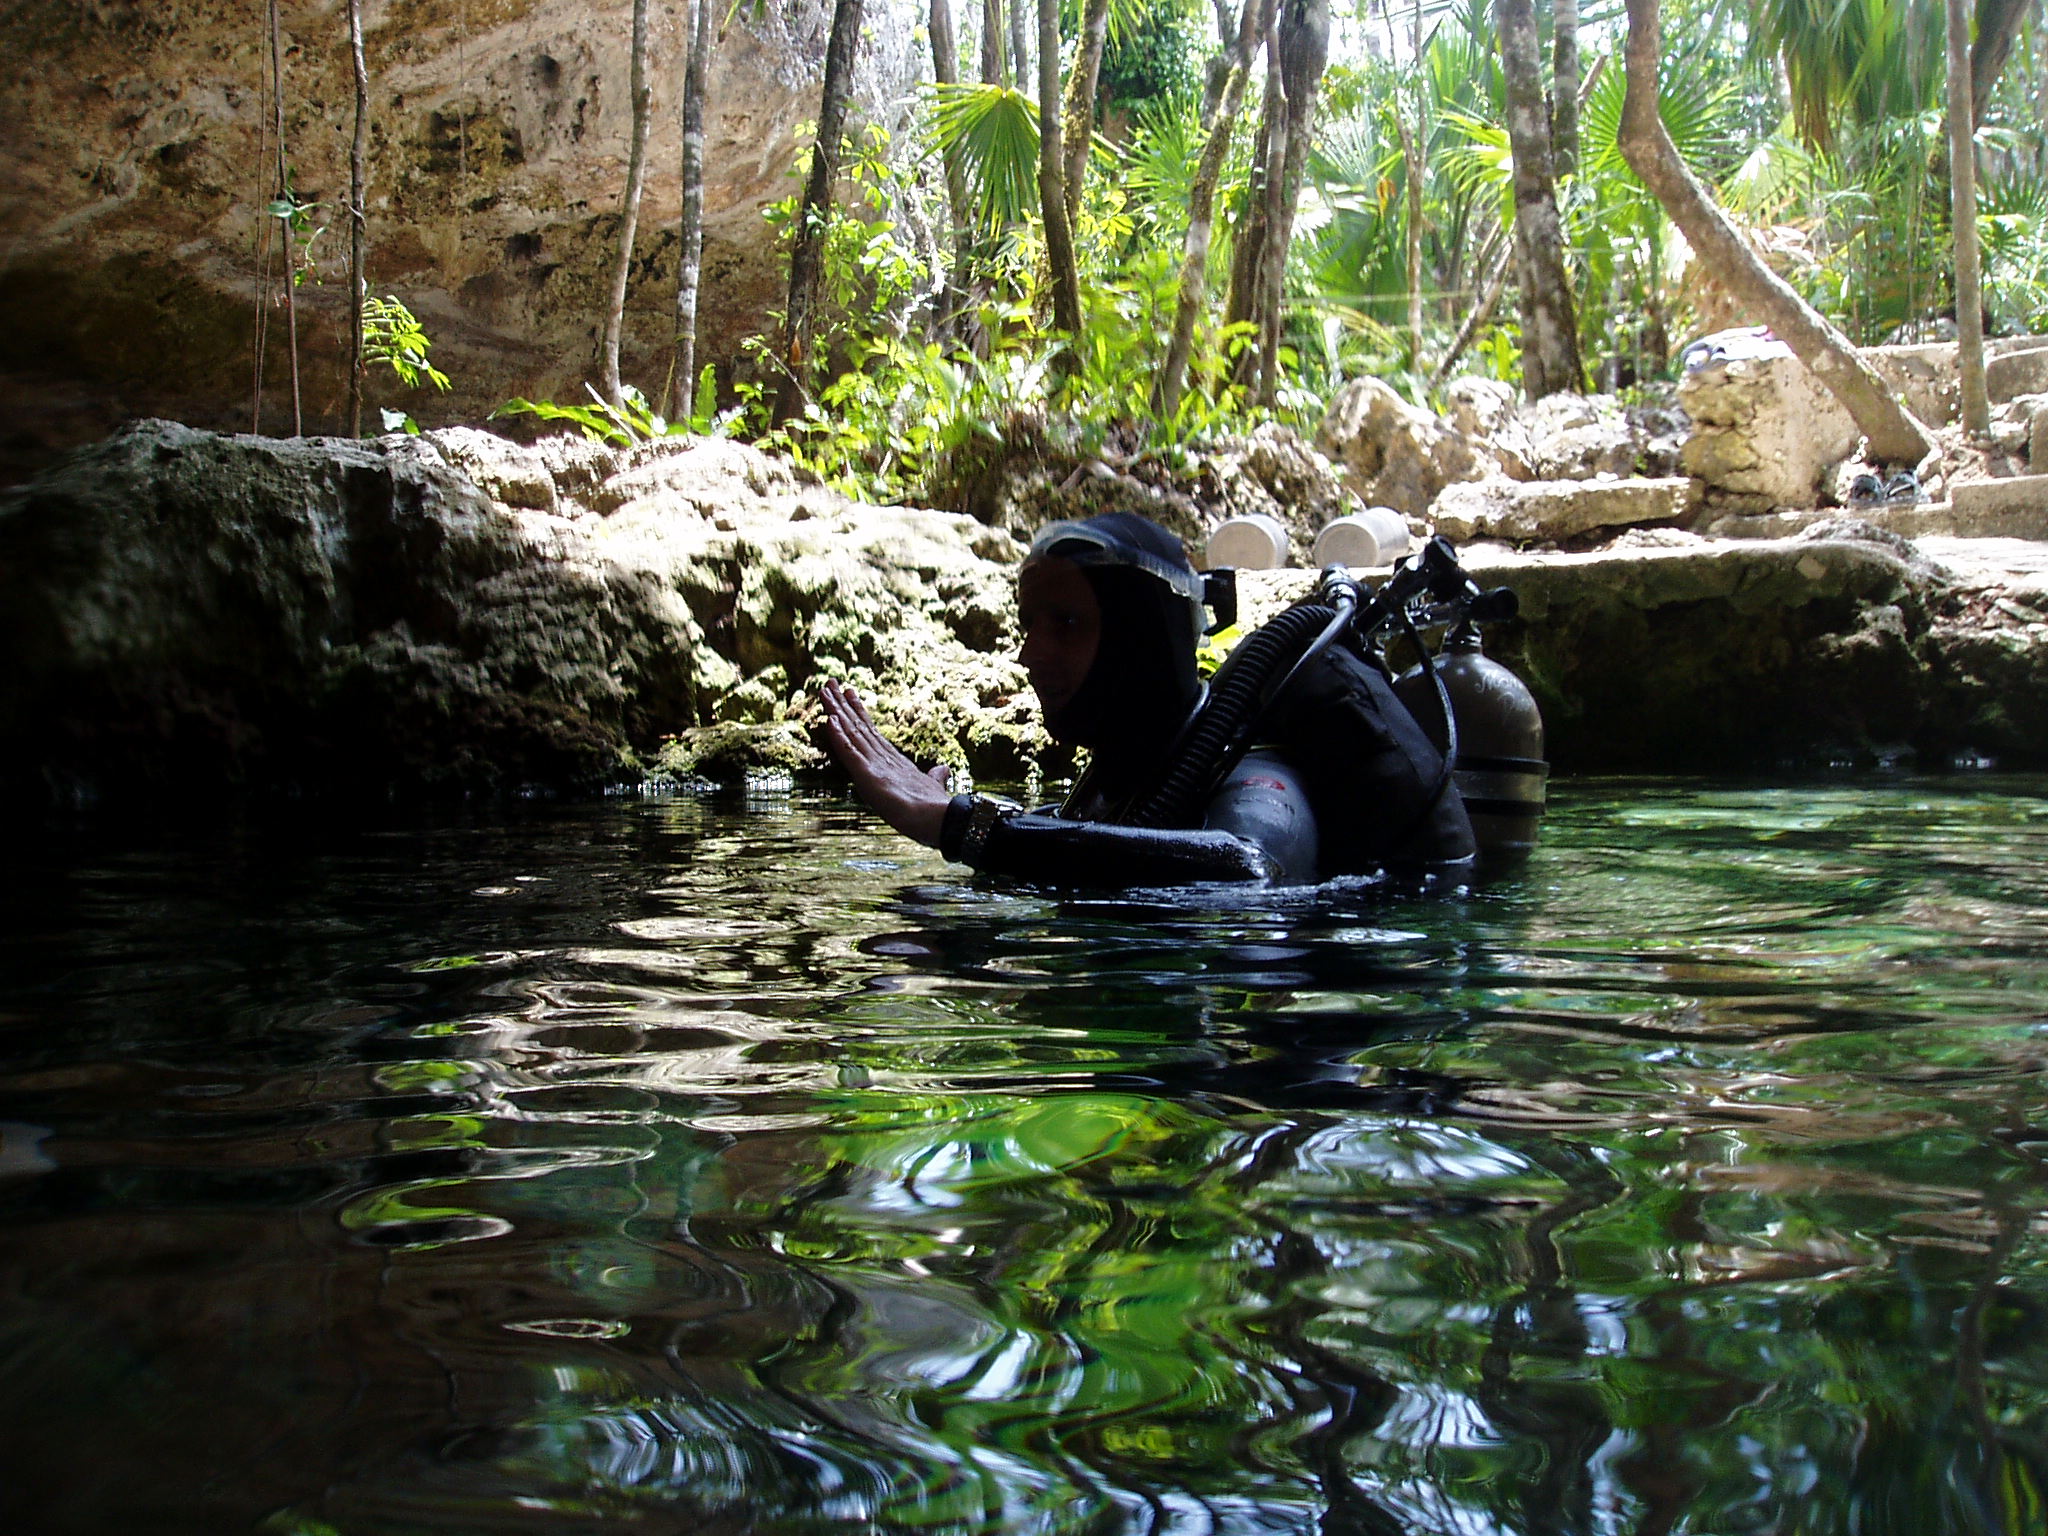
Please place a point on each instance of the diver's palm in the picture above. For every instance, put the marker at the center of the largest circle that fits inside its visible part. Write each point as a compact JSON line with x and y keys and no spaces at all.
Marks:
{"x":911,"y":799}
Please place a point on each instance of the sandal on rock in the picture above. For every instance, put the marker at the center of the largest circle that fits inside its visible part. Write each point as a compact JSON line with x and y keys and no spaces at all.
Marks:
{"x":1866,"y":491}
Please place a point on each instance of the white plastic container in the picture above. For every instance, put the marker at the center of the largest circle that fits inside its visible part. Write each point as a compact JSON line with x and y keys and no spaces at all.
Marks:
{"x":1364,"y":541}
{"x":1254,"y":542}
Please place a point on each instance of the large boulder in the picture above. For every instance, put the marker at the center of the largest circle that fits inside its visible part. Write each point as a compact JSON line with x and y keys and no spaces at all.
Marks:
{"x":1676,"y":653}
{"x":186,"y":608}
{"x":1028,"y":479}
{"x":1556,"y":511}
{"x":1664,"y":651}
{"x":1766,"y":433}
{"x":1583,"y":437}
{"x":1393,"y":454}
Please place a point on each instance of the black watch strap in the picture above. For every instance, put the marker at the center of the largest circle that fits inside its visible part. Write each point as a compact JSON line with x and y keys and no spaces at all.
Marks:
{"x":969,"y":819}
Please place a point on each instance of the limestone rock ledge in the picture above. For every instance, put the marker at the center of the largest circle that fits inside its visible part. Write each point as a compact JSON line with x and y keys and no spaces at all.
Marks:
{"x":184,"y":609}
{"x":1667,"y":652}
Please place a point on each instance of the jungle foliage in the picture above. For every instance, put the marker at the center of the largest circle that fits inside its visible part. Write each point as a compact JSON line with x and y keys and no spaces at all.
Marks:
{"x":1820,"y":127}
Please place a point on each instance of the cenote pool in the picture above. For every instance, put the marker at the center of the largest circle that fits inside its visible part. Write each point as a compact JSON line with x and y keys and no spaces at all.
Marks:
{"x":726,"y":1164}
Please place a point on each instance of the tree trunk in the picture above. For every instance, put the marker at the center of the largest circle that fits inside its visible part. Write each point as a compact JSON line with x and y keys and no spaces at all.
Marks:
{"x":629,"y":217}
{"x":1020,"y":45}
{"x":1962,"y":186}
{"x":1998,"y":23}
{"x":995,"y":63}
{"x":358,"y":287}
{"x":1052,"y":193}
{"x":1216,"y":73}
{"x":807,"y":254}
{"x":264,"y":221}
{"x":1412,"y":141}
{"x":1079,"y":125}
{"x":1894,"y":437}
{"x":286,"y":232}
{"x":1304,"y":50}
{"x":1193,"y":294}
{"x":1550,"y":337}
{"x":1248,"y":243}
{"x":1564,"y":85}
{"x":1411,"y":175}
{"x":690,"y":229}
{"x":946,"y":71}
{"x":1489,"y":299}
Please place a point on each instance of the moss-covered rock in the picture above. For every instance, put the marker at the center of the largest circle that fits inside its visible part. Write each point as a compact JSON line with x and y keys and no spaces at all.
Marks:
{"x":455,"y":609}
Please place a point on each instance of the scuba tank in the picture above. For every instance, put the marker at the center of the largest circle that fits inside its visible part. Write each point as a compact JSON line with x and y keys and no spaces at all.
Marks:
{"x":1495,"y":745}
{"x":1430,"y":588}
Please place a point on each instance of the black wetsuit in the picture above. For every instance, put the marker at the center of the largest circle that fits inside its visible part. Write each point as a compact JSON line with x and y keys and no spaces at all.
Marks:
{"x":1375,"y":786}
{"x":1381,"y":800}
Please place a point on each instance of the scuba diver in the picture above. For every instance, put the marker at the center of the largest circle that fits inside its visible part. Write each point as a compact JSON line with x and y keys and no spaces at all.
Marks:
{"x":1323,"y":770}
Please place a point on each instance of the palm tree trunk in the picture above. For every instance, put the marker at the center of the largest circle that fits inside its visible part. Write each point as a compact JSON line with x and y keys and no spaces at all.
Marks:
{"x":629,"y":219}
{"x":1079,"y":126}
{"x":358,"y":289}
{"x":1564,"y":85}
{"x":946,"y":71}
{"x":690,"y":230}
{"x":1892,"y":435}
{"x":1193,"y":296}
{"x":807,"y":254}
{"x":1304,"y":51}
{"x":1052,"y":194}
{"x":1962,"y":186}
{"x":1550,"y":339}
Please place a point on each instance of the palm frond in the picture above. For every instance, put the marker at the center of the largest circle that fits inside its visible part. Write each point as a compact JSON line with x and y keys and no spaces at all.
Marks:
{"x":995,"y":128}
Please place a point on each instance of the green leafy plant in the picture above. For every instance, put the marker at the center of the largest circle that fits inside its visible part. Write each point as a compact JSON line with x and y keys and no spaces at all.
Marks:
{"x":392,"y":335}
{"x":632,"y":421}
{"x":300,"y":232}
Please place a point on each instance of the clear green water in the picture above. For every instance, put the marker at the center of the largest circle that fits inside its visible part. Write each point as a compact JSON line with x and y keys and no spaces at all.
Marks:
{"x":718,"y":1166}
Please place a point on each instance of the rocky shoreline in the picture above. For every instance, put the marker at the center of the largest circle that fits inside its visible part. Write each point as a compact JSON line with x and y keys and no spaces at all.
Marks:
{"x":186,"y":611}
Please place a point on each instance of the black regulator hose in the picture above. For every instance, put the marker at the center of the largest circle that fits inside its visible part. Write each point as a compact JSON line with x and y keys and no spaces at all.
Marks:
{"x":1237,"y":698}
{"x":1253,"y":676}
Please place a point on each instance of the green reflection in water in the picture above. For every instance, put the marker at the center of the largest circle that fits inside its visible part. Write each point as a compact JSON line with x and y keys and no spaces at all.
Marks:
{"x":749,"y":1173}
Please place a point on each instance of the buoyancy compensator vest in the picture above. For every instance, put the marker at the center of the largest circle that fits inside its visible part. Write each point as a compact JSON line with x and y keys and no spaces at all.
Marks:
{"x":1380,"y":789}
{"x":1311,"y":682}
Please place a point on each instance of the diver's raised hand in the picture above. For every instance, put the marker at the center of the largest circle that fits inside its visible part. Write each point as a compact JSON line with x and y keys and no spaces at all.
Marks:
{"x":911,"y":799}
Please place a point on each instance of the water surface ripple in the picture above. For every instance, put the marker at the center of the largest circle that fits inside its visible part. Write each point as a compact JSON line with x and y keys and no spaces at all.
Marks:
{"x":729,"y":1165}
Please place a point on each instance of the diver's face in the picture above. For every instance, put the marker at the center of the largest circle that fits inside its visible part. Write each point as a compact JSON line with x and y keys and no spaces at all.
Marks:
{"x":1062,"y":626}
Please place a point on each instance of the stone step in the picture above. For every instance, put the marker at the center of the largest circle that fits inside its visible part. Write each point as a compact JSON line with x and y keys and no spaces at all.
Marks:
{"x":2015,"y":508}
{"x":1983,"y":509}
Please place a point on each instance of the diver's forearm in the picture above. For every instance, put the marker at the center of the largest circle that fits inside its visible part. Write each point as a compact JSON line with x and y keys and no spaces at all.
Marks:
{"x":1048,"y":850}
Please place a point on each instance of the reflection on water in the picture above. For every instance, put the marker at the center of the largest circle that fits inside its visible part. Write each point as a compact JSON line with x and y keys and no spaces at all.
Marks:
{"x":708,"y":1166}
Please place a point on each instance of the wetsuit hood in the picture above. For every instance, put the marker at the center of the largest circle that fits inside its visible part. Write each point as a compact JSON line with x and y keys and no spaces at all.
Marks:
{"x":1143,"y":683}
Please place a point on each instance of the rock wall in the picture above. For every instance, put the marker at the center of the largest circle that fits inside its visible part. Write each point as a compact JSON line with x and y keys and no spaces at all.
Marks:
{"x":190,"y":610}
{"x":140,"y":157}
{"x":1841,"y":646}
